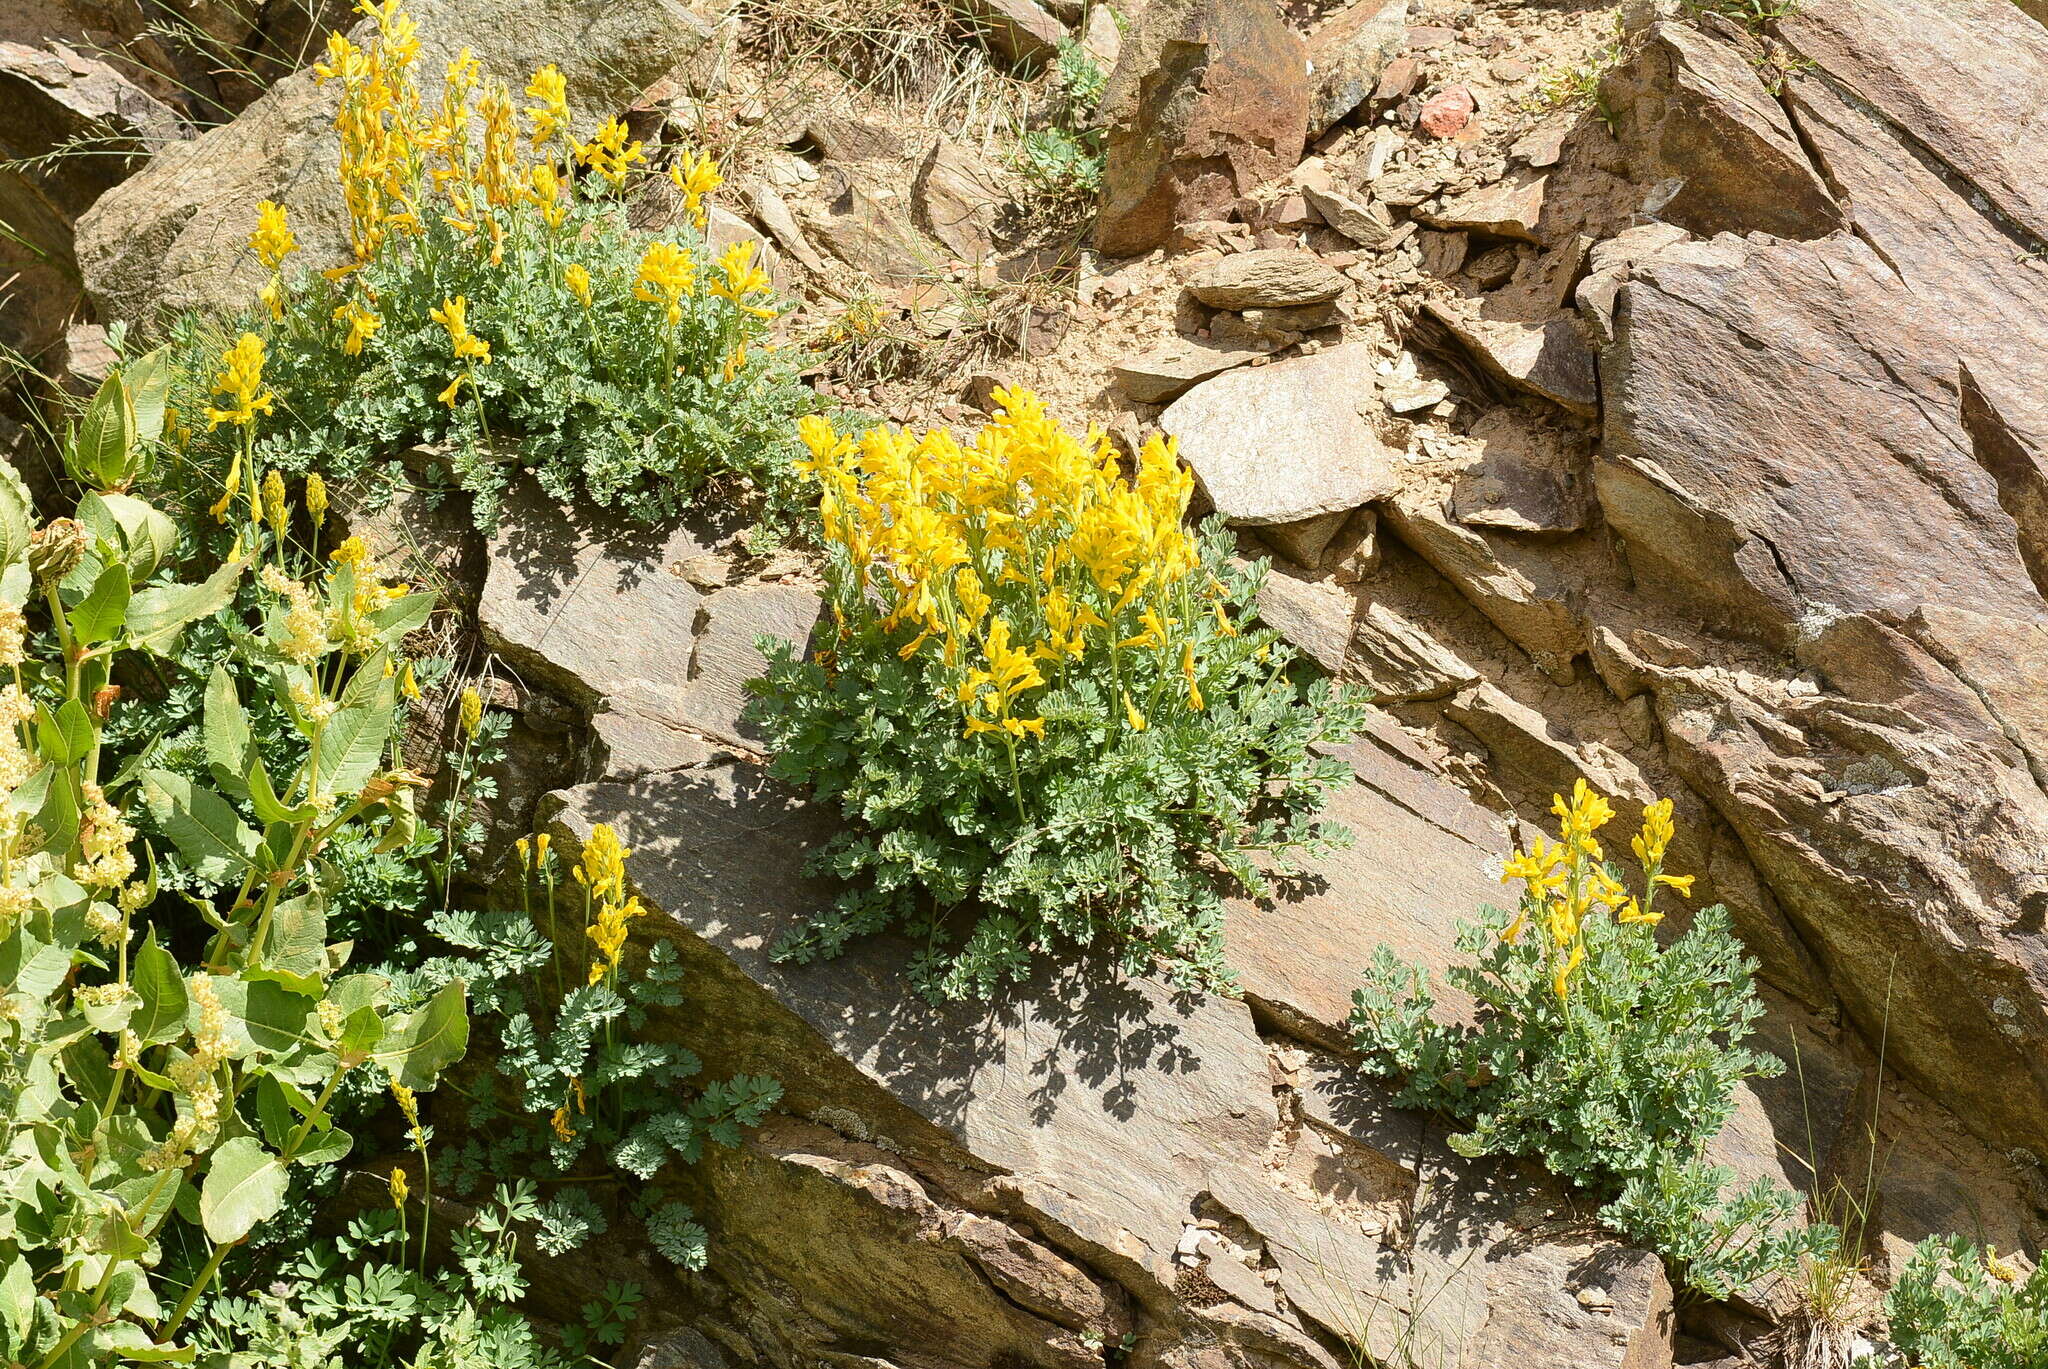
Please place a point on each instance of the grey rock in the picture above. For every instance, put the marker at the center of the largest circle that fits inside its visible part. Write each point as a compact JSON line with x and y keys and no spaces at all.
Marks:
{"x":1163,"y":376}
{"x":1529,"y":477}
{"x":1349,"y":51}
{"x":1550,"y":359}
{"x":1312,"y":615}
{"x":1018,"y":30}
{"x":1267,"y":278}
{"x":1287,"y":441}
{"x":958,"y":198}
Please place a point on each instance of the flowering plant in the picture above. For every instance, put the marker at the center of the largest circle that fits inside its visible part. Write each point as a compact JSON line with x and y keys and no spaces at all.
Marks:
{"x":498,"y":305}
{"x":1607,"y":1056}
{"x":1042,"y":704}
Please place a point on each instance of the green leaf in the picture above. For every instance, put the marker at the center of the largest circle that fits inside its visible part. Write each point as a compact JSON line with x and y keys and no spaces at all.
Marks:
{"x":244,"y":1187}
{"x":392,"y":622}
{"x":96,"y":451}
{"x":32,"y":967}
{"x":158,"y":614}
{"x":17,"y":1306}
{"x":162,"y":1014}
{"x":418,"y":1045}
{"x":66,"y":735}
{"x":98,"y":617}
{"x":352,"y":746}
{"x":145,"y":535}
{"x":266,"y":1014}
{"x":360,"y":1031}
{"x":298,"y":941}
{"x":225,"y":728}
{"x":267,"y":804}
{"x":324,"y":1147}
{"x":17,"y":516}
{"x":215,"y":842}
{"x":147,"y":380}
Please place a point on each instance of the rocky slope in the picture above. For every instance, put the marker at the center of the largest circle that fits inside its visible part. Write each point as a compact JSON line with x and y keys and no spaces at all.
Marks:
{"x":1693,"y":442}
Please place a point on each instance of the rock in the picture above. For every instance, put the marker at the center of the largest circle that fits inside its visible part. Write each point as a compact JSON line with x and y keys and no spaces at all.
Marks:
{"x":1691,"y":107}
{"x":958,"y":198}
{"x":1831,"y":454}
{"x":1287,"y":441}
{"x":1101,"y":38}
{"x":1314,"y":616}
{"x":1367,"y":224}
{"x":1165,"y":375}
{"x":1297,"y":318}
{"x":1349,"y":52}
{"x":1019,"y":31}
{"x":1608,"y":270}
{"x":1271,"y":277}
{"x":724,"y":229}
{"x":1397,"y":81}
{"x":871,"y":234}
{"x":990,"y":1178}
{"x":55,"y":98}
{"x":83,"y":360}
{"x":1542,"y":145}
{"x":1400,"y":662}
{"x":612,"y":624}
{"x":1209,"y":99}
{"x":1445,"y":114}
{"x":1511,"y":208}
{"x":773,"y":212}
{"x":1305,"y":542}
{"x":843,"y":138}
{"x":1529,"y":477}
{"x":175,"y":235}
{"x":1549,"y":359}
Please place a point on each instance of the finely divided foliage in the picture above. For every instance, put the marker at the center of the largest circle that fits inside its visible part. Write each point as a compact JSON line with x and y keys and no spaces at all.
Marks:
{"x":1041,"y":706}
{"x":1610,"y":1058}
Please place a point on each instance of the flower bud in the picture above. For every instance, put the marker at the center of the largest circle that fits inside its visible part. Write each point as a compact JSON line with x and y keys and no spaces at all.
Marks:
{"x":55,"y":550}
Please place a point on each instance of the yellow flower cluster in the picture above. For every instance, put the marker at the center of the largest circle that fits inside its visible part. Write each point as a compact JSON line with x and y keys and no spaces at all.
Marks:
{"x":1565,"y":883}
{"x":1017,"y":559}
{"x":667,"y":276}
{"x":240,"y":382}
{"x":602,"y":873}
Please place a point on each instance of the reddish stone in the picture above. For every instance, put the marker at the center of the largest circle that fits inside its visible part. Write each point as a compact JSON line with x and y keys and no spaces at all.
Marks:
{"x":1397,"y":80}
{"x":1447,"y":111}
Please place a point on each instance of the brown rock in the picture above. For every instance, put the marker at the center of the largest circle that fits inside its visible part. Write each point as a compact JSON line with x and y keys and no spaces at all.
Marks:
{"x":1312,"y":615}
{"x":1397,"y":82}
{"x":1018,"y":30}
{"x":1512,"y":208}
{"x":958,"y":198}
{"x":1366,"y":224}
{"x":1266,"y":278}
{"x":1209,"y":100}
{"x":1690,"y":107}
{"x":1399,"y":661}
{"x":1350,"y":52}
{"x":1285,"y":442}
{"x":1164,"y":375}
{"x":843,"y":138}
{"x":1548,"y":359}
{"x":1530,"y":477}
{"x":871,"y":234}
{"x":1445,"y":114}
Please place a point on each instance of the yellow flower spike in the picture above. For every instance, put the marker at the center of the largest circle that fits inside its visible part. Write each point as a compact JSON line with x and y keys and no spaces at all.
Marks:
{"x":453,"y":316}
{"x":1562,"y":982}
{"x":1187,"y":669}
{"x":578,"y":281}
{"x":560,"y":1122}
{"x":549,"y":114}
{"x":1131,"y":714}
{"x":272,"y":241}
{"x":471,"y":716}
{"x":362,"y":322}
{"x":275,"y":509}
{"x":240,"y":381}
{"x":454,"y":391}
{"x":696,"y":175}
{"x":1682,"y":883}
{"x":408,"y":683}
{"x":400,"y":1188}
{"x":1657,"y":832}
{"x":272,"y":298}
{"x":316,"y":499}
{"x":1223,"y":623}
{"x":609,"y":154}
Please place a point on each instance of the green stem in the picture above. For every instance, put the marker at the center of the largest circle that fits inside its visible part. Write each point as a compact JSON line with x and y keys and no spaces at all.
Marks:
{"x":199,"y":1284}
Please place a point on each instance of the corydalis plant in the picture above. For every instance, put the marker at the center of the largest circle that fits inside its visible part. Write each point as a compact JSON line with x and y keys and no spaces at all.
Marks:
{"x":1608,"y":1057}
{"x":1042,"y":706}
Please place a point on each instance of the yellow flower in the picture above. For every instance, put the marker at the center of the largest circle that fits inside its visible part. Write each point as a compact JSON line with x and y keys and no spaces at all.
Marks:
{"x":408,"y":683}
{"x":1682,"y":883}
{"x":549,"y":114}
{"x":609,"y":154}
{"x":229,"y":489}
{"x":603,"y":868}
{"x":316,"y":499}
{"x":453,"y":315}
{"x":450,"y":394}
{"x":735,"y":361}
{"x":400,"y":1189}
{"x":1562,"y":981}
{"x":578,"y":281}
{"x":272,"y":241}
{"x":2002,"y":1270}
{"x":1132,"y":715}
{"x":1187,"y":668}
{"x":560,"y":1122}
{"x":667,"y":276}
{"x":740,"y":278}
{"x":240,"y":381}
{"x":696,"y":175}
{"x":272,"y":298}
{"x":1657,"y":832}
{"x":472,"y":711}
{"x":362,"y":326}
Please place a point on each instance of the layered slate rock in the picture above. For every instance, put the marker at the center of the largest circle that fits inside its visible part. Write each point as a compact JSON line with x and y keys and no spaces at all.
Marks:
{"x":1087,"y":1143}
{"x":175,"y":235}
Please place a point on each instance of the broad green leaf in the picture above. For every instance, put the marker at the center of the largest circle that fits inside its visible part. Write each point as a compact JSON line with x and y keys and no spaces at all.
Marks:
{"x":17,"y":1305}
{"x":158,"y":614}
{"x":32,"y":967}
{"x":67,"y":734}
{"x":57,"y":819}
{"x":324,"y":1147}
{"x":366,"y":681}
{"x":267,"y":804}
{"x":352,"y":746}
{"x":268,"y":1016}
{"x":225,"y":728}
{"x":354,"y":991}
{"x":17,"y":517}
{"x":418,"y":1045}
{"x":360,"y":1031}
{"x":97,"y":450}
{"x":147,"y":380}
{"x":244,"y":1187}
{"x":98,"y":617}
{"x":392,"y":622}
{"x":162,"y":1014}
{"x":298,"y":941}
{"x":215,"y":842}
{"x":145,"y":535}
